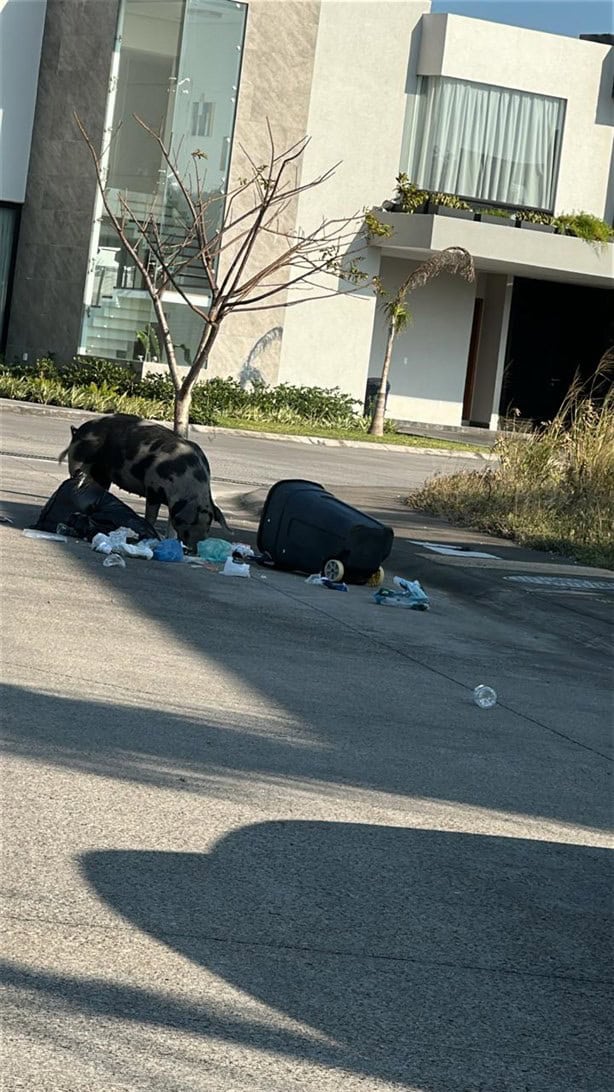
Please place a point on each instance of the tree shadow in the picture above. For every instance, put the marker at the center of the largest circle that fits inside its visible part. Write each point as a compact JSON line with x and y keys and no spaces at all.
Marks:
{"x":439,"y":960}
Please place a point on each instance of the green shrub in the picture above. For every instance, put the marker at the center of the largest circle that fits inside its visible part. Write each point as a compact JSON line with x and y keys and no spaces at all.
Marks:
{"x":105,"y":386}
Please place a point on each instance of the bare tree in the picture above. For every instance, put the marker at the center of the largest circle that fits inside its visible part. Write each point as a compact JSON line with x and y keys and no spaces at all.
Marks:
{"x":217,"y":236}
{"x":454,"y":259}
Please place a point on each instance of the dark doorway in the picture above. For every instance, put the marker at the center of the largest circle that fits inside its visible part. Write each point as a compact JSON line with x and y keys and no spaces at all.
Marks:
{"x":555,"y":331}
{"x":472,"y":360}
{"x":9,"y":230}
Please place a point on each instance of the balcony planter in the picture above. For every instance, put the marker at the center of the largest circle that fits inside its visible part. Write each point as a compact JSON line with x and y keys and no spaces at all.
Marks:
{"x":528,"y":225}
{"x":434,"y":208}
{"x":502,"y":221}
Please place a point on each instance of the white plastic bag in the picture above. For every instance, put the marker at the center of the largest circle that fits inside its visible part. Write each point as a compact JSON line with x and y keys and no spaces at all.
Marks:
{"x":234,"y":568}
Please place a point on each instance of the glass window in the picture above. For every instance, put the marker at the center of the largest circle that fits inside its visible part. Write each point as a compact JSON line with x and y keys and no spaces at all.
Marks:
{"x":489,"y":143}
{"x":177,"y":65}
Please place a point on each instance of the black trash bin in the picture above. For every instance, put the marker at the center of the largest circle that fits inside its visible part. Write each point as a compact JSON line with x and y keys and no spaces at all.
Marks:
{"x":303,"y":528}
{"x":373,"y":386}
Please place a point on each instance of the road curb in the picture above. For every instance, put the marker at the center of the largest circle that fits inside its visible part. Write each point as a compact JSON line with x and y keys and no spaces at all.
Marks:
{"x":65,"y":413}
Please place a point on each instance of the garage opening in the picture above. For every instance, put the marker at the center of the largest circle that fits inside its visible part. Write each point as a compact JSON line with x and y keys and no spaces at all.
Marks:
{"x":555,"y":331}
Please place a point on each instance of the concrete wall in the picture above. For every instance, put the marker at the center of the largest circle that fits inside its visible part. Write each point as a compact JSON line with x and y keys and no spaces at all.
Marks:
{"x":21,"y":34}
{"x":547,"y":64}
{"x":57,"y":215}
{"x":356,"y":115}
{"x":496,"y":290}
{"x":429,"y":363}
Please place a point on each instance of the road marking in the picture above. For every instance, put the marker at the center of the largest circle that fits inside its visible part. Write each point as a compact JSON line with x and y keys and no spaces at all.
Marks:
{"x":453,"y":551}
{"x":571,"y":582}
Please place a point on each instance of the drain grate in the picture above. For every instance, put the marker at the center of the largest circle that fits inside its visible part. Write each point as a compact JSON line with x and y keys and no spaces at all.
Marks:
{"x":571,"y":582}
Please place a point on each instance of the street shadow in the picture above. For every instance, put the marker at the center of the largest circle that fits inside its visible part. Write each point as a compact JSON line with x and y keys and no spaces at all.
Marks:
{"x":225,"y":755}
{"x":442,"y":961}
{"x":368,"y":723}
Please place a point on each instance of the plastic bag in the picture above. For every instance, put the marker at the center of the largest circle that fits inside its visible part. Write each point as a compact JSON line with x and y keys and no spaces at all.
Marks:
{"x":170,"y":549}
{"x":214,"y":549}
{"x":241,"y":552}
{"x":409,"y":595}
{"x":234,"y":568}
{"x":89,"y":509}
{"x":116,"y":543}
{"x":324,"y":582}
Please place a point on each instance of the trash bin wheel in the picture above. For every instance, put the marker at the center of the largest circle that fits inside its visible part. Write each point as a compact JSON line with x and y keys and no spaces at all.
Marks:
{"x":333,"y":570}
{"x":376,"y":579}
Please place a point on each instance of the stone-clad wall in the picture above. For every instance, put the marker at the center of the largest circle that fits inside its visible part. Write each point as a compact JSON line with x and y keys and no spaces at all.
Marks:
{"x":57,"y":216}
{"x":276,"y":77}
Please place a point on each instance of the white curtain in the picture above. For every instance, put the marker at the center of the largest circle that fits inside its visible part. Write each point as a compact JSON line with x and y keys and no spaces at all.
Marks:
{"x":486,"y":142}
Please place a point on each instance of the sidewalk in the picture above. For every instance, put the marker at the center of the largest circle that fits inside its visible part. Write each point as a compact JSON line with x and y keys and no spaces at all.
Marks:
{"x":62,"y":412}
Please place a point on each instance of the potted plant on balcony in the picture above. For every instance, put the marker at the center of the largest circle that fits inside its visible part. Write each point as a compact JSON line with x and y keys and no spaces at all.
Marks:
{"x":536,"y":221}
{"x":585,"y":226}
{"x":448,"y":204}
{"x":502,"y":217}
{"x":408,"y":197}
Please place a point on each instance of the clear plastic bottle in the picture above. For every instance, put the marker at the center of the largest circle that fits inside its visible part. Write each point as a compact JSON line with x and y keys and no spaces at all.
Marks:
{"x":112,"y":560}
{"x":484,"y":696}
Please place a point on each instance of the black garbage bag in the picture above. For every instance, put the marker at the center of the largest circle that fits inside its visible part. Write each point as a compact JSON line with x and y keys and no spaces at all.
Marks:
{"x":89,"y":509}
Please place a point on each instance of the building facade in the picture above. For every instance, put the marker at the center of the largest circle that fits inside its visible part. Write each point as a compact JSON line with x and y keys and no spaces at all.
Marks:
{"x":510,"y":118}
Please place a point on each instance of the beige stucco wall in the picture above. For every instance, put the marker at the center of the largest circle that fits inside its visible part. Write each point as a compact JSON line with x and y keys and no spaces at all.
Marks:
{"x":356,"y":116}
{"x":429,"y":363}
{"x":547,"y":64}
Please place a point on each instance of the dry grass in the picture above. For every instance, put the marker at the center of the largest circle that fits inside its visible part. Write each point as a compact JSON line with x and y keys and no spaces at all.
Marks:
{"x":552,"y":490}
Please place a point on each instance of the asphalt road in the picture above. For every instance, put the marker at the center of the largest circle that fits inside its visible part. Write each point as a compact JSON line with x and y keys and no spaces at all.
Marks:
{"x":250,"y":460}
{"x":258,"y":838}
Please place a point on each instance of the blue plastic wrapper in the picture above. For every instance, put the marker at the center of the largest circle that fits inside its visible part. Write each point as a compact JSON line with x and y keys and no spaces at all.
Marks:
{"x":170,"y":549}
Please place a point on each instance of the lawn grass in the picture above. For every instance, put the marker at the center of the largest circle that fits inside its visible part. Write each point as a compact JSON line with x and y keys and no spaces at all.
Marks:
{"x":552,"y":490}
{"x":399,"y":439}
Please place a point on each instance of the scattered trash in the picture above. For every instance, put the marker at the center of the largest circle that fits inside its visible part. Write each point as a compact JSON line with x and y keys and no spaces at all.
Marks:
{"x":6,"y":519}
{"x":241,"y":552}
{"x":170,"y":549}
{"x":111,"y":560}
{"x":198,"y":563}
{"x":410,"y":595}
{"x":214,"y":549}
{"x":324,"y":582}
{"x":116,"y":543}
{"x":30,"y":532}
{"x":485,"y":697}
{"x":235,"y":568}
{"x":86,"y":510}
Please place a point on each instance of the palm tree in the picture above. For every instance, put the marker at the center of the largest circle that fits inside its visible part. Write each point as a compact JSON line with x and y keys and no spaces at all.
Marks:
{"x":454,"y":259}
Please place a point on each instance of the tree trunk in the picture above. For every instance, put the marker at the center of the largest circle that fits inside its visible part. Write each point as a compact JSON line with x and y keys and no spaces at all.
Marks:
{"x":183,"y":396}
{"x":181,"y":412}
{"x":376,"y":428}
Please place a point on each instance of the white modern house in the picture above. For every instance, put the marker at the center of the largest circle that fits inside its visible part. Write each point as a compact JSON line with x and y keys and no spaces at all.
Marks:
{"x":504,"y":119}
